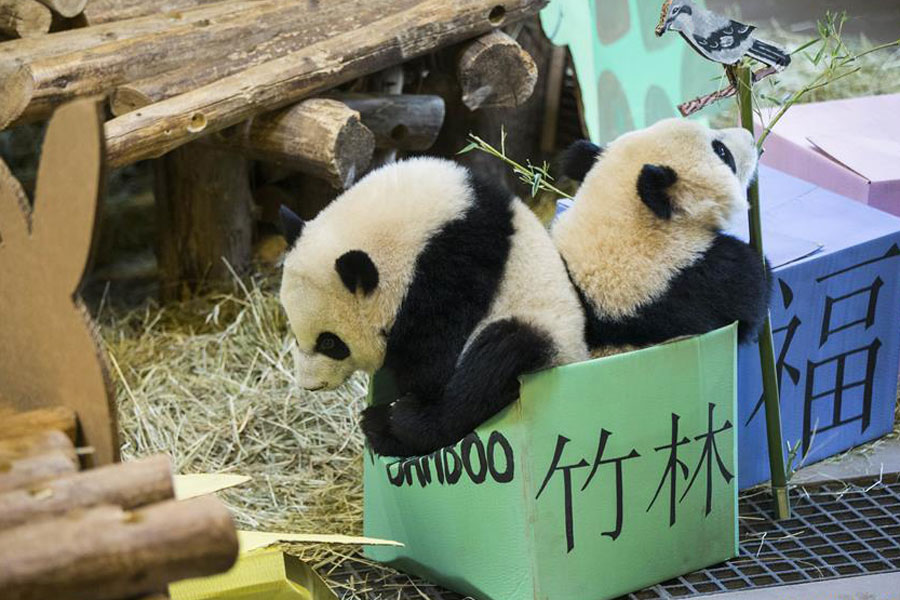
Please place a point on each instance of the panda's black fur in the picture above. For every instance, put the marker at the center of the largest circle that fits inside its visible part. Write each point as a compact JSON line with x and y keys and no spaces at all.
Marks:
{"x":456,"y":279}
{"x":728,"y":283}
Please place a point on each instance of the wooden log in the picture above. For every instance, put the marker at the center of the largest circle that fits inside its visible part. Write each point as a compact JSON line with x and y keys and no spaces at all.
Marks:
{"x":495,"y":72}
{"x":106,"y":553}
{"x":204,"y":219}
{"x":98,"y":12}
{"x":26,"y":51}
{"x":65,"y":8}
{"x":129,"y":485}
{"x":33,"y":444}
{"x":401,"y":121}
{"x":524,"y":139}
{"x":24,"y":18}
{"x":30,"y":470}
{"x":30,"y":422}
{"x":320,"y":137}
{"x":405,"y":29}
{"x":280,"y":26}
{"x":317,"y":26}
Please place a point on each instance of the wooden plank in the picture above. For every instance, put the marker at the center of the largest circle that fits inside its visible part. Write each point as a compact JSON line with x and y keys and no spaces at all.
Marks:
{"x":98,"y":12}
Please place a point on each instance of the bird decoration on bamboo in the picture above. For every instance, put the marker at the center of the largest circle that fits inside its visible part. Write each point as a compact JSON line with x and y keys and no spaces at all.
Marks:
{"x":719,"y":39}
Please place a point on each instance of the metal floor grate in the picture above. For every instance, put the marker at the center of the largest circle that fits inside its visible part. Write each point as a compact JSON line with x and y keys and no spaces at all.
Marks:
{"x":837,"y":531}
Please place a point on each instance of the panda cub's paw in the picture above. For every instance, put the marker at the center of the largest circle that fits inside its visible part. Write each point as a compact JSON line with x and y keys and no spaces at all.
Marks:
{"x":376,"y":420}
{"x":376,"y":425}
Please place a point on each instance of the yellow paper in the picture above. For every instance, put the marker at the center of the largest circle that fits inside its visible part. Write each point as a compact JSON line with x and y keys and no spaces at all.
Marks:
{"x":252,"y":540}
{"x":260,"y":575}
{"x":191,"y":486}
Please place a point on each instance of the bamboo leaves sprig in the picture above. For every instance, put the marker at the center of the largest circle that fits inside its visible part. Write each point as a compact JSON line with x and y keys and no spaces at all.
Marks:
{"x":827,"y":52}
{"x":536,"y":177}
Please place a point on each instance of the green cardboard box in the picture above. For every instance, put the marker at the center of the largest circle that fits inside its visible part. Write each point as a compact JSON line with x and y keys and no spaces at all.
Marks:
{"x":605,"y":477}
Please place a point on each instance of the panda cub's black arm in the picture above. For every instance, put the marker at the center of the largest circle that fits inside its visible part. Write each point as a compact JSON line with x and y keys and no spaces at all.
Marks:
{"x":485,"y":381}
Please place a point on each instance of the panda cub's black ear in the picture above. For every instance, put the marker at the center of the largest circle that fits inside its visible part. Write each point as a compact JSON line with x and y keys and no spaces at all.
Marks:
{"x":578,"y":159}
{"x":357,"y":271}
{"x":652,"y":186}
{"x":290,"y":224}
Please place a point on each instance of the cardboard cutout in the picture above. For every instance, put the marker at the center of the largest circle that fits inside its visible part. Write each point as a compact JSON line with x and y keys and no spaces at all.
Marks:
{"x":49,"y":350}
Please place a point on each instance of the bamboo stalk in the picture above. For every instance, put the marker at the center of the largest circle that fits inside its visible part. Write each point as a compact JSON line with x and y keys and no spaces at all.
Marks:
{"x":766,"y":344}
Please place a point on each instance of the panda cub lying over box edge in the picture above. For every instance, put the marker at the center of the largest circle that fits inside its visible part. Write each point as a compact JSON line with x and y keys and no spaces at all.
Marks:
{"x":643,"y":239}
{"x":448,"y":281}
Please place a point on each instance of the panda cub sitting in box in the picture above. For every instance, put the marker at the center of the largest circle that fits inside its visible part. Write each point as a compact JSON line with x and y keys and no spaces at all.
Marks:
{"x":644,"y":242}
{"x":447,"y":281}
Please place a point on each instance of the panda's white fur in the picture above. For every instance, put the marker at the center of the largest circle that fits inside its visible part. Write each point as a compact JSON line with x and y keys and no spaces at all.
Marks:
{"x":625,"y":258}
{"x":393,"y":215}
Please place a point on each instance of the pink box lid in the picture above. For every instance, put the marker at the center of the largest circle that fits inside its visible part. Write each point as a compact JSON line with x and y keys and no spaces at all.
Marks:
{"x":859,"y":136}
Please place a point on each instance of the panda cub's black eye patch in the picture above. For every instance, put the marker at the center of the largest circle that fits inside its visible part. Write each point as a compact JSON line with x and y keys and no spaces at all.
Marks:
{"x":724,"y":153}
{"x":331,"y":346}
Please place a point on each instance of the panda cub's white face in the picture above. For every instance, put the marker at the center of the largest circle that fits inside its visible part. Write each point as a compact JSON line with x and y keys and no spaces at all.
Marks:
{"x":714,"y":167}
{"x":330,"y":344}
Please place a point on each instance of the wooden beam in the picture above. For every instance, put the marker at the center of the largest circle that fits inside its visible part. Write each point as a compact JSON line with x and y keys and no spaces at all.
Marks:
{"x":27,"y":51}
{"x":65,"y":8}
{"x":402,"y":30}
{"x":98,"y":12}
{"x":401,"y":121}
{"x":24,"y":18}
{"x":319,"y":137}
{"x":204,"y":219}
{"x":495,"y":72}
{"x":129,"y":485}
{"x":106,"y":553}
{"x":318,"y":23}
{"x":38,"y":85}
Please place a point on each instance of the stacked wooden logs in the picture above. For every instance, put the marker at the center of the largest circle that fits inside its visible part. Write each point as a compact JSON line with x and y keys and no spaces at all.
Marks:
{"x":108,"y":533}
{"x":213,"y":83}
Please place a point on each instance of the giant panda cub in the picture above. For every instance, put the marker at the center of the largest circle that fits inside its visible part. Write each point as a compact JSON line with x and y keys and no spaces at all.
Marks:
{"x":643,"y":240}
{"x":449,"y":282}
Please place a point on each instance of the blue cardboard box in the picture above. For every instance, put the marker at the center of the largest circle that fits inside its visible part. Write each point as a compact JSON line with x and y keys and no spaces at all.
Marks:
{"x":836,"y":324}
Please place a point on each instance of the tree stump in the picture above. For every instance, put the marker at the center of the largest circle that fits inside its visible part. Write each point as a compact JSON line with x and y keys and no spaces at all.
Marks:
{"x":204,"y":208}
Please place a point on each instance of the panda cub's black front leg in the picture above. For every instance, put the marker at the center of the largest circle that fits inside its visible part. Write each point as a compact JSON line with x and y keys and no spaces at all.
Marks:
{"x":485,"y":381}
{"x":376,"y":425}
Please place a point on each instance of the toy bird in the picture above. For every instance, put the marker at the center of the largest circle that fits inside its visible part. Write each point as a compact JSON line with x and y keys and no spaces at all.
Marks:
{"x":716,"y":37}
